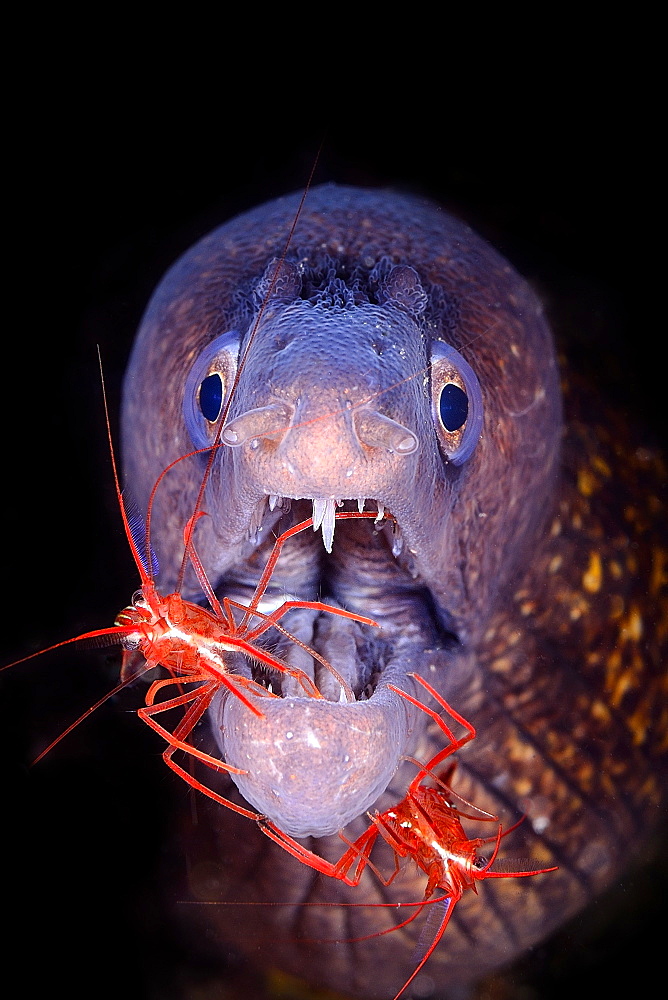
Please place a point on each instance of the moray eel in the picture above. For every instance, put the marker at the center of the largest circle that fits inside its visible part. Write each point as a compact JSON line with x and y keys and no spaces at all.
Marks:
{"x":401,"y":363}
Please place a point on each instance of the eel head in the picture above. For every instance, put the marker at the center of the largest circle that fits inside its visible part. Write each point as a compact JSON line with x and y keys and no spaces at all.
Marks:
{"x":397,"y":364}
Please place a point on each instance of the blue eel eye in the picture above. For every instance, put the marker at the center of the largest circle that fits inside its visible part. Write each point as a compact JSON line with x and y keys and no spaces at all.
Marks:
{"x":211,"y":397}
{"x":207,"y":386}
{"x":453,"y":407}
{"x":456,"y":402}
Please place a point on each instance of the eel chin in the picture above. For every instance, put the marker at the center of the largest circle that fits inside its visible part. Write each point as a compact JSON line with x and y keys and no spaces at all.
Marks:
{"x":311,"y":765}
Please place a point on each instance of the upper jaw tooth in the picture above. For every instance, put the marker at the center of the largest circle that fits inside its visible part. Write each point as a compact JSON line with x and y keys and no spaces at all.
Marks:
{"x":324,"y":514}
{"x":397,"y":541}
{"x":255,"y":524}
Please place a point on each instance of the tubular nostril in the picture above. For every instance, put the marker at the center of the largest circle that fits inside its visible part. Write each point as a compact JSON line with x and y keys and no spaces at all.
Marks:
{"x":265,"y":421}
{"x":378,"y":431}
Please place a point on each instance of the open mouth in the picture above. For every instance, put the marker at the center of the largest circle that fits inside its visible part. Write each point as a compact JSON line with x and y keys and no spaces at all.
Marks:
{"x":313,"y":765}
{"x":349,"y":563}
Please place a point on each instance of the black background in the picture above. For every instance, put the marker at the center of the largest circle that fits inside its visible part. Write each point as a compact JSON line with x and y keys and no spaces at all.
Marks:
{"x":105,"y":193}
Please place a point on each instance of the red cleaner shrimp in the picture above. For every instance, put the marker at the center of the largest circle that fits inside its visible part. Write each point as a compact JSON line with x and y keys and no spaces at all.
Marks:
{"x":426,"y":826}
{"x":191,"y":643}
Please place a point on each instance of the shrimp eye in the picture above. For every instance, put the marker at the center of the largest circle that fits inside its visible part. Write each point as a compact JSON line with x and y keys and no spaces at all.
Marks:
{"x":456,"y":403}
{"x":207,"y":387}
{"x":479,"y":862}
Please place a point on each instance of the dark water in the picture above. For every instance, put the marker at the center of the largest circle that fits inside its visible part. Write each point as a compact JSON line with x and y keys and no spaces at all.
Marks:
{"x":87,"y":826}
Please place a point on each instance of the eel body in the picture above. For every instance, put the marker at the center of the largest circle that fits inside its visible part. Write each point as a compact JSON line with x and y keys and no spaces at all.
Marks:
{"x":523,"y":575}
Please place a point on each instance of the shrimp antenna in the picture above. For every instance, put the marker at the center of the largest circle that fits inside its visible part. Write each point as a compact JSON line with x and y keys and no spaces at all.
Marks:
{"x":115,"y":632}
{"x":136,"y":555}
{"x":89,"y":711}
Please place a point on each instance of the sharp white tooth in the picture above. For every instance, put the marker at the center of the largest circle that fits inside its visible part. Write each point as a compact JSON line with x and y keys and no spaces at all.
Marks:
{"x":381,"y":513}
{"x":397,"y":543}
{"x":360,"y":505}
{"x":319,"y":508}
{"x":273,"y":500}
{"x":324,"y":513}
{"x":255,"y":526}
{"x":328,"y":523}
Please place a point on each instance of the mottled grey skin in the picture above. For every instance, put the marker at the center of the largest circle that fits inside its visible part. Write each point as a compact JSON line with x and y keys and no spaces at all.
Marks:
{"x":515,"y":593}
